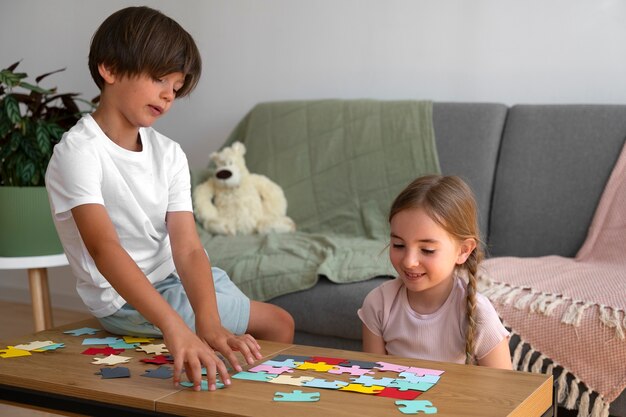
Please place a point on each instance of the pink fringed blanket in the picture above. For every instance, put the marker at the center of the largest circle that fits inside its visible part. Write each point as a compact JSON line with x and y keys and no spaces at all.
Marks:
{"x":577,"y":306}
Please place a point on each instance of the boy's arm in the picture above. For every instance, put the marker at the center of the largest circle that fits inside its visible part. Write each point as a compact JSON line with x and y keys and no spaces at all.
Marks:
{"x":114,"y":263}
{"x":194,"y":268}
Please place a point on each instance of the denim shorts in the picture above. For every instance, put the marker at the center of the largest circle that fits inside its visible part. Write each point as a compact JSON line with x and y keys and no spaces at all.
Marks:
{"x":232,"y":304}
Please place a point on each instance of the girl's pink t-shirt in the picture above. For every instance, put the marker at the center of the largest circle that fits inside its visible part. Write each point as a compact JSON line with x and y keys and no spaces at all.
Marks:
{"x":439,"y":336}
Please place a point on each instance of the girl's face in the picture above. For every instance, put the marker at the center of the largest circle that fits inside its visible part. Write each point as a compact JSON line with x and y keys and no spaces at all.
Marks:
{"x":422,"y":252}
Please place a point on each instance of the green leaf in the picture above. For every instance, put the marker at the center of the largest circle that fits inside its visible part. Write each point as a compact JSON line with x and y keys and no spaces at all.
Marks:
{"x":27,"y":172}
{"x":35,"y":88}
{"x":11,"y":78}
{"x":16,"y":138}
{"x":12,"y":109}
{"x":42,"y":138}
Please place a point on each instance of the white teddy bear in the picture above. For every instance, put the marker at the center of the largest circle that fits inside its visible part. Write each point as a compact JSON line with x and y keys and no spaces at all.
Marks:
{"x":234,"y":201}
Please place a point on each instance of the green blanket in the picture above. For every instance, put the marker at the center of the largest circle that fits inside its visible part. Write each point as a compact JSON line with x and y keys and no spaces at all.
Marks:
{"x":340,"y":164}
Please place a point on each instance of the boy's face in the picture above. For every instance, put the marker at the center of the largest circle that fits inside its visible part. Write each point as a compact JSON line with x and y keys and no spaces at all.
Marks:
{"x":140,"y":100}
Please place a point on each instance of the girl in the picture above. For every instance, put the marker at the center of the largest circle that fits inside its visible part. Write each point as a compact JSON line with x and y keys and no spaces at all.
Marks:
{"x":429,"y":311}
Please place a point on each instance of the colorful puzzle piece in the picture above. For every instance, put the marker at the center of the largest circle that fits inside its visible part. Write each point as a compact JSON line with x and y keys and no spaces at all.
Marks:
{"x":53,"y":346}
{"x":362,"y":388}
{"x":432,"y":379}
{"x":323,"y":383}
{"x":34,"y":345}
{"x":293,"y":357}
{"x":204,"y":385}
{"x":416,"y":406}
{"x":135,"y":339}
{"x":424,"y":371}
{"x":289,"y":363}
{"x":270,"y":369}
{"x":102,"y":351}
{"x":82,"y":331}
{"x":158,"y":359}
{"x":297,"y":396}
{"x":328,"y":361}
{"x":162,"y":372}
{"x":369,"y":381}
{"x":254,"y":376}
{"x":316,"y":366}
{"x":352,"y":370}
{"x":120,"y":344}
{"x":12,"y":352}
{"x":401,"y":395}
{"x":390,"y":367}
{"x":360,"y":364}
{"x":111,"y":360}
{"x":153,"y":349}
{"x":101,"y":341}
{"x":289,"y":380}
{"x":117,"y":372}
{"x":403,"y":385}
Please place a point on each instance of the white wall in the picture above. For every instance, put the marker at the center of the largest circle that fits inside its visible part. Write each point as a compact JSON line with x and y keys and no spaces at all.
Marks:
{"x":532,"y":51}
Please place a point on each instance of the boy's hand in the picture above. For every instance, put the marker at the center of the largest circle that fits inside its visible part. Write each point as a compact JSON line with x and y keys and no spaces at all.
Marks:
{"x":192,"y":354}
{"x":225,"y":342}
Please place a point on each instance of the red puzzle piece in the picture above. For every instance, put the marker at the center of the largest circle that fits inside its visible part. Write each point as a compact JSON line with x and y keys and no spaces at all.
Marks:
{"x":327,"y":361}
{"x":159,"y":359}
{"x":396,"y":393}
{"x":102,"y":351}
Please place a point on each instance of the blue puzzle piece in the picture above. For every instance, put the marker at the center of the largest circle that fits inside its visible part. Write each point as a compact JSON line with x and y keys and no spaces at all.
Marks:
{"x":101,"y":341}
{"x":117,"y":372}
{"x":254,"y":376}
{"x":369,"y":381}
{"x":297,"y":396}
{"x":82,"y":331}
{"x":120,"y":344}
{"x":204,"y":385}
{"x":416,"y":406}
{"x":323,"y":383}
{"x":162,"y":372}
{"x":289,"y":363}
{"x":404,"y":385}
{"x":54,"y":346}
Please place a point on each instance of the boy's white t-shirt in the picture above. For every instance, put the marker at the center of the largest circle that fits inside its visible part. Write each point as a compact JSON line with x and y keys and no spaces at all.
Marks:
{"x":137,"y":190}
{"x":439,"y":336}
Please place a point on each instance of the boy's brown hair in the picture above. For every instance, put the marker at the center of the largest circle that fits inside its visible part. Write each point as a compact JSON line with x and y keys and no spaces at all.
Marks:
{"x":449,"y":201}
{"x":141,"y":40}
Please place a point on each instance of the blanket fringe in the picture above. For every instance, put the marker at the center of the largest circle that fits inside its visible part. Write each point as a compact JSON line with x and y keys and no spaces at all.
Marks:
{"x":523,"y":298}
{"x":571,"y":392}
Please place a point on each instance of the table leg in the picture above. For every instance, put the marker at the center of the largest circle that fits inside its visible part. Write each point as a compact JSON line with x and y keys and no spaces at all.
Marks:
{"x":40,"y":296}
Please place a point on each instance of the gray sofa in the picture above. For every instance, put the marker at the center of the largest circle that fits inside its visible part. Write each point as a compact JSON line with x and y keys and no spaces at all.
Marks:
{"x":537,"y":171}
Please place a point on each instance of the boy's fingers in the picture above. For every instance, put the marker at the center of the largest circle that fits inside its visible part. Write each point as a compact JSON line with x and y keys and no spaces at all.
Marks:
{"x":194,"y":373}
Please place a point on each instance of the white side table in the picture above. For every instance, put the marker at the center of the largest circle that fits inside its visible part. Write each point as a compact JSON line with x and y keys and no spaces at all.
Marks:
{"x":38,"y":283}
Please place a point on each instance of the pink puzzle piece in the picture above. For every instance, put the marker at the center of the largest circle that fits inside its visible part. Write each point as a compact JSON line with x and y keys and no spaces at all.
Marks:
{"x":352,"y":370}
{"x":271,"y":369}
{"x":390,"y":367}
{"x":423,"y":371}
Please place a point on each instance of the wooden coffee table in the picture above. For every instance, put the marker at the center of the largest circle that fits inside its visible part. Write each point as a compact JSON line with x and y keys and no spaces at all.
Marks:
{"x":65,"y":379}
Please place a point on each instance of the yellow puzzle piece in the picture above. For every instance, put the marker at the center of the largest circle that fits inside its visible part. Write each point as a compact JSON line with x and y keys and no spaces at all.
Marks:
{"x":315,"y":366}
{"x":12,"y":352}
{"x":374,"y":389}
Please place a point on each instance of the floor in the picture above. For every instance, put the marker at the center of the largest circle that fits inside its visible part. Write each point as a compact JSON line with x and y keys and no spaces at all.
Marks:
{"x":16,"y":320}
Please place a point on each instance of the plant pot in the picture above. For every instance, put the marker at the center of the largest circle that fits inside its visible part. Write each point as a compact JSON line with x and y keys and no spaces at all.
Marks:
{"x":26,"y":226}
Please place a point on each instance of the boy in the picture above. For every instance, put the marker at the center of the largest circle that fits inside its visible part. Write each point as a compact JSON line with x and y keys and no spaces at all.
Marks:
{"x":120,"y":197}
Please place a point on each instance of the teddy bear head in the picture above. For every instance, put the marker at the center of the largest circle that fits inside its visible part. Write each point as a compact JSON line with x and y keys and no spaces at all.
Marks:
{"x":230,"y":165}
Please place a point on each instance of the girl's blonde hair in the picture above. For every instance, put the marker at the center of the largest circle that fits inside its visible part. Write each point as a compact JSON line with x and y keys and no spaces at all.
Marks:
{"x":450,"y":202}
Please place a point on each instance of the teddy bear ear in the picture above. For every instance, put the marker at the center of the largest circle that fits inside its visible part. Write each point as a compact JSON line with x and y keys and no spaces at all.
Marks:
{"x":239,"y":147}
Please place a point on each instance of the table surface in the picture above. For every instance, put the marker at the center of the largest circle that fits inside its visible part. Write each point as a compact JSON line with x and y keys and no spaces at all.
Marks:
{"x":27,"y":262}
{"x":462,"y":390}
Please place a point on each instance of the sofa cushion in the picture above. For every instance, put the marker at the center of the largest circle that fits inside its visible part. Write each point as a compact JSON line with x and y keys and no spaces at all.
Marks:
{"x":468,"y":140}
{"x":553,"y":165}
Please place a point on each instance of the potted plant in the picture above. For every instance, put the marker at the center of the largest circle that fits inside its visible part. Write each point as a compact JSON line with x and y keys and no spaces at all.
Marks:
{"x":32,"y":121}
